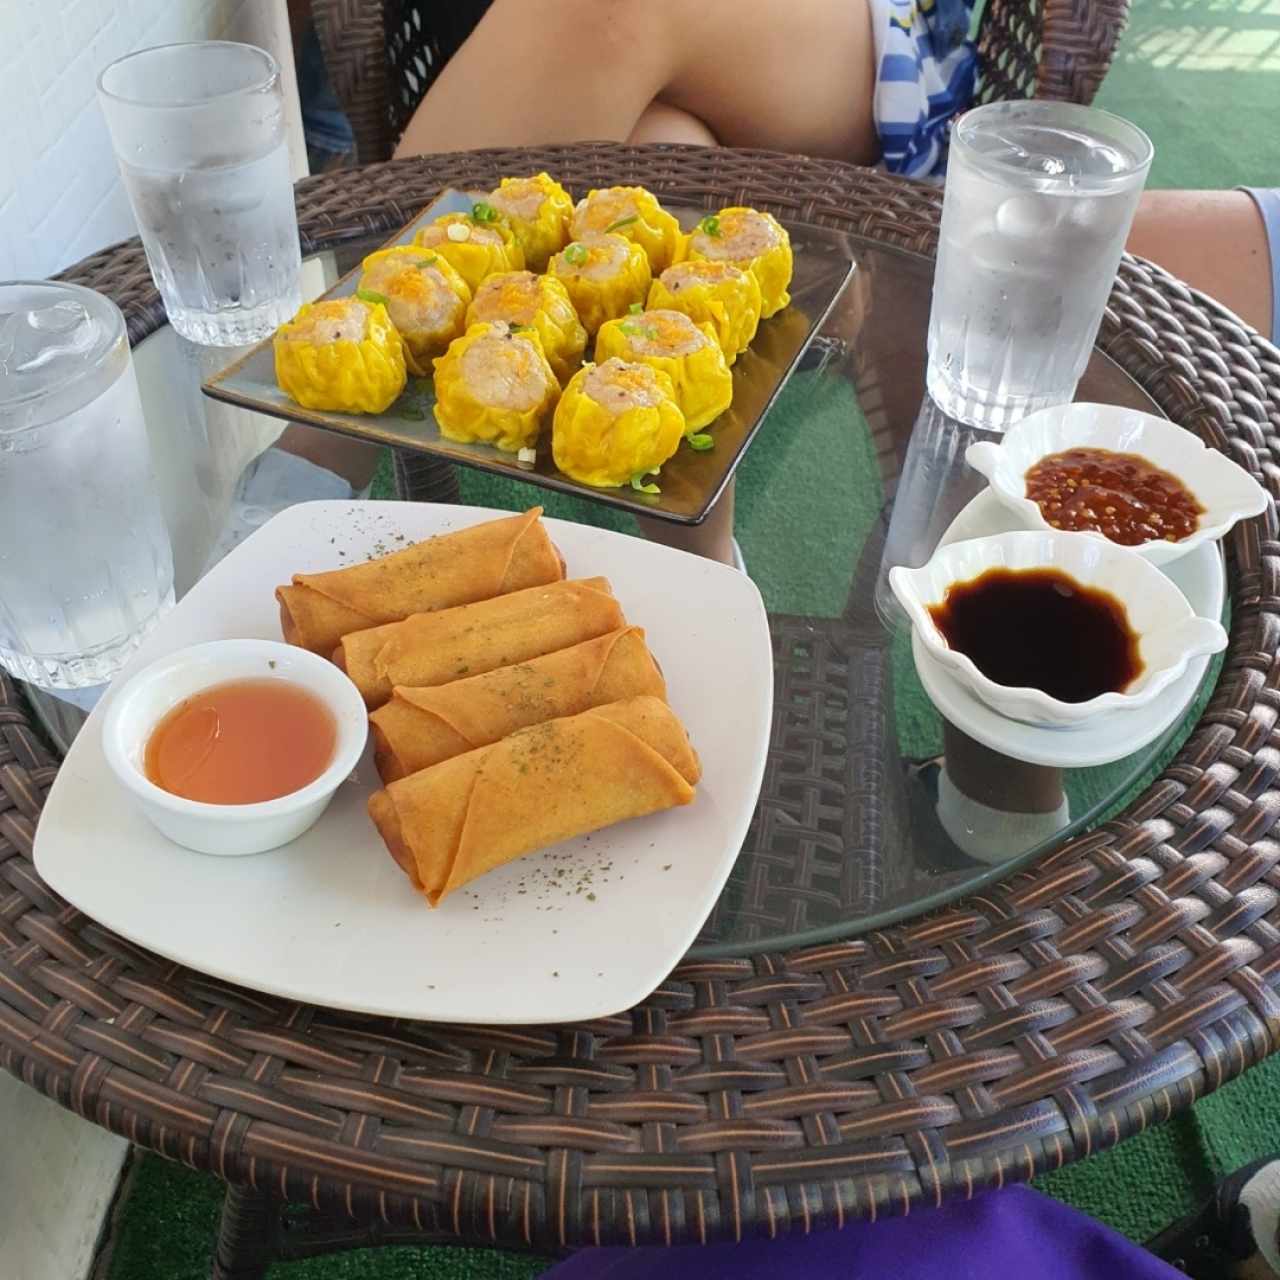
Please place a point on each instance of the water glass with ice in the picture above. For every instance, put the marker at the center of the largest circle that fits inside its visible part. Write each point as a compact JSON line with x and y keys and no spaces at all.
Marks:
{"x":85,"y":564}
{"x":198,"y":130}
{"x":1038,"y":202}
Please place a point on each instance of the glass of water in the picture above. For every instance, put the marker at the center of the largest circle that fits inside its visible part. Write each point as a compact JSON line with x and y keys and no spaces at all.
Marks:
{"x":85,"y":563}
{"x":1037,"y":207}
{"x":199,"y":132}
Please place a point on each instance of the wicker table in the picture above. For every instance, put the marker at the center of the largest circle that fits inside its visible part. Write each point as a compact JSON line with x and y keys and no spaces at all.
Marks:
{"x":789,"y":1074}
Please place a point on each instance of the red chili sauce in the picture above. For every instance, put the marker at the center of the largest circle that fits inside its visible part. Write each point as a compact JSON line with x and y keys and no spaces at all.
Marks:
{"x":1120,"y":495}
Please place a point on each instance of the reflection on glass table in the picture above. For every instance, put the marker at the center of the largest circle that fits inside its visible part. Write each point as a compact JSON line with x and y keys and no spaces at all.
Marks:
{"x":864,"y":779}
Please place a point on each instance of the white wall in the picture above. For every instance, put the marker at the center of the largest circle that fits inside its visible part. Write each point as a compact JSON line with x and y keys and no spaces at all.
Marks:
{"x":60,"y":191}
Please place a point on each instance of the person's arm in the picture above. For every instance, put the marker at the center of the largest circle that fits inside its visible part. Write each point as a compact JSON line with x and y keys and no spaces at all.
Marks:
{"x":1217,"y":242}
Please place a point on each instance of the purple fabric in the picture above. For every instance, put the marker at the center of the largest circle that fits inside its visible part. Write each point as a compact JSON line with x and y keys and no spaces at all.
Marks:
{"x":1015,"y":1232}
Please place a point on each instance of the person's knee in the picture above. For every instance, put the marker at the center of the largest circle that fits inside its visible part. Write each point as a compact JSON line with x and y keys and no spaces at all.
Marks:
{"x":663,"y":123}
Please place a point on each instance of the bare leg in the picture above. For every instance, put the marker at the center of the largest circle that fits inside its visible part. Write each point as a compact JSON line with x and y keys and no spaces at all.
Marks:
{"x":795,"y":76}
{"x":663,"y":123}
{"x":1215,"y":241}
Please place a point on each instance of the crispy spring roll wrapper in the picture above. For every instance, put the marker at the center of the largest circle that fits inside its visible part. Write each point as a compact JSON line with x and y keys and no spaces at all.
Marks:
{"x":422,"y":727}
{"x":318,"y":609}
{"x":453,"y":822}
{"x":435,"y":648}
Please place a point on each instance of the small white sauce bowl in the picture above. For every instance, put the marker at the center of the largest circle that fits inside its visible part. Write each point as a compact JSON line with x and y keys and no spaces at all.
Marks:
{"x":230,"y":830}
{"x":1169,"y":632}
{"x":1226,"y":491}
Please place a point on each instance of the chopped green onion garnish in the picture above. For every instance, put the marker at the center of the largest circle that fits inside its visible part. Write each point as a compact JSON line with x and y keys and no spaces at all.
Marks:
{"x":701,"y":441}
{"x":710,"y":225}
{"x":368,"y":295}
{"x":483,"y":212}
{"x":424,"y":263}
{"x":519,"y":328}
{"x":622,"y":222}
{"x":575,"y":254}
{"x":634,"y":330}
{"x":638,"y":484}
{"x":636,"y":308}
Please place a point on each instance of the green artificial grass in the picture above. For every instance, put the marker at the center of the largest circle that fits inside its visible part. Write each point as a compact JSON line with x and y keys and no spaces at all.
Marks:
{"x":1202,"y":77}
{"x":169,"y":1226}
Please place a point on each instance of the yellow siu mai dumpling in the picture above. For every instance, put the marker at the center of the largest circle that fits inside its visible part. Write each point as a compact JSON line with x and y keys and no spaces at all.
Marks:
{"x":615,"y":424}
{"x":342,"y":355}
{"x":634,"y":213}
{"x":475,"y":244}
{"x":603,"y":275}
{"x":688,"y":354}
{"x":752,"y":240}
{"x":538,"y":210}
{"x":494,"y":385}
{"x":715,"y":293}
{"x":424,"y":296}
{"x":526,"y":301}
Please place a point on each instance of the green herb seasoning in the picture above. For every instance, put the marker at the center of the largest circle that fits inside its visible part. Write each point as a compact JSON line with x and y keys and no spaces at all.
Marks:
{"x":426,"y":262}
{"x":700,"y":441}
{"x":710,"y":225}
{"x":575,"y":254}
{"x":638,"y":484}
{"x":482,"y":211}
{"x":622,"y":222}
{"x":369,"y":296}
{"x":636,"y":308}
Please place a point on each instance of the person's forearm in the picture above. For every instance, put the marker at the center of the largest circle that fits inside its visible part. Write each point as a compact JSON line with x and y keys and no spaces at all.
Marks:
{"x":1215,"y":241}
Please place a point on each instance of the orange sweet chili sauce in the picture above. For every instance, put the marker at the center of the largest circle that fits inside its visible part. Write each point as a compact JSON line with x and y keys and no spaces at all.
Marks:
{"x":241,"y":742}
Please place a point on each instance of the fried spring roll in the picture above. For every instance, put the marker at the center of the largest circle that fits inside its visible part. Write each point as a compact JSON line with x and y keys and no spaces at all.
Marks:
{"x":457,"y":820}
{"x":486,"y":560}
{"x":422,"y":727}
{"x":435,"y":648}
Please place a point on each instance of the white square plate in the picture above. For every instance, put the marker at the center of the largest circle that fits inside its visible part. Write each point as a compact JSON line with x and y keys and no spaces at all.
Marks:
{"x":581,"y":930}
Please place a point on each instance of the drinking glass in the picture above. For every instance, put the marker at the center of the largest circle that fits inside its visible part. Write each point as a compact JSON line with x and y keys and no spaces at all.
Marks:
{"x":198,"y":130}
{"x":1038,"y":202}
{"x":85,"y":564}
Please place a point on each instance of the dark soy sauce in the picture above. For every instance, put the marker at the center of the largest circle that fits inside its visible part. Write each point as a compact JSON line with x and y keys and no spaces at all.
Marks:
{"x":1040,"y":629}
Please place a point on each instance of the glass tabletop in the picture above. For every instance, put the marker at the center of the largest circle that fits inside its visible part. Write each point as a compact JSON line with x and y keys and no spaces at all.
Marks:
{"x":865,"y":781}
